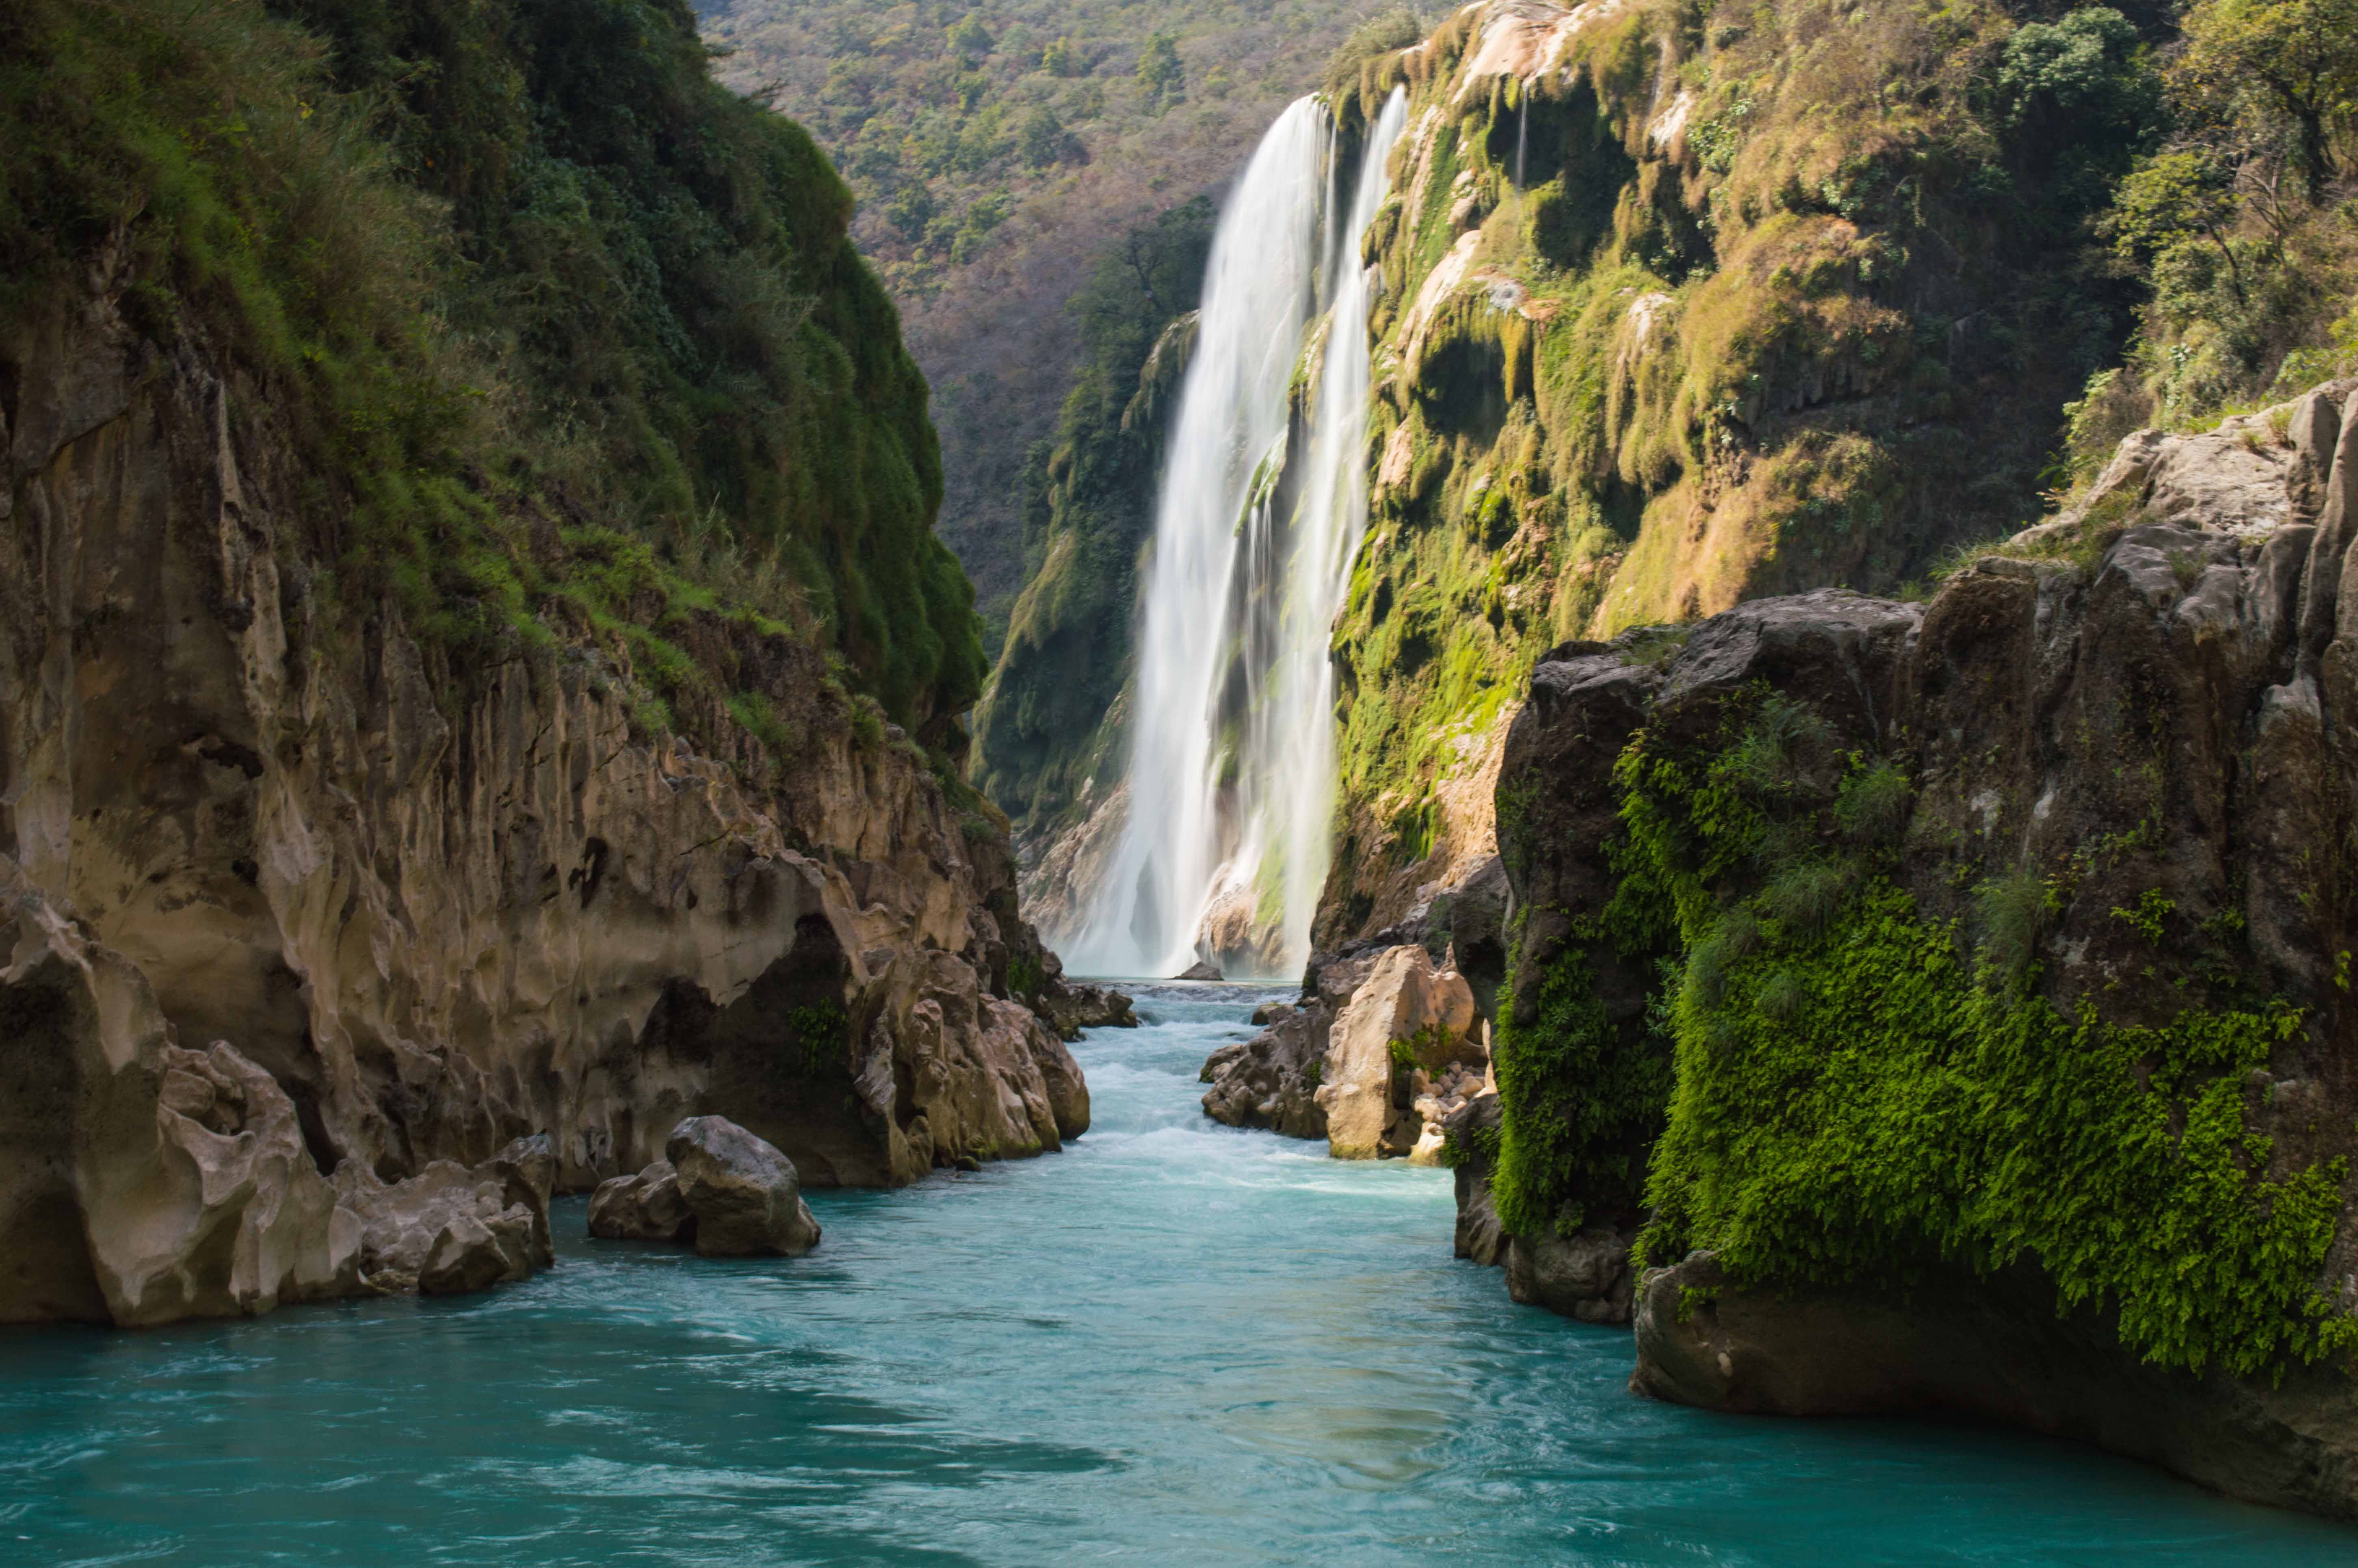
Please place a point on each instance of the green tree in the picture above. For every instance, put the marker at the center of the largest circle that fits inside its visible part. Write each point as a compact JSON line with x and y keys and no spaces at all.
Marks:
{"x":911,"y":209}
{"x":1059,"y":59}
{"x":970,"y":37}
{"x":2078,"y":95}
{"x":1160,"y":72}
{"x":1039,"y":137}
{"x":2175,"y":197}
{"x":2275,"y":74}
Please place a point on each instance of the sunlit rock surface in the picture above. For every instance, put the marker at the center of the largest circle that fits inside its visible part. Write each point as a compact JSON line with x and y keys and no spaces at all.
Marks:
{"x":431,"y":907}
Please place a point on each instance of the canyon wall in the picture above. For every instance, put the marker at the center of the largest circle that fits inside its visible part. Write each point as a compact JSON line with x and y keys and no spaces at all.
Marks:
{"x":441,"y":903}
{"x":1680,"y":307}
{"x":1948,"y":1001}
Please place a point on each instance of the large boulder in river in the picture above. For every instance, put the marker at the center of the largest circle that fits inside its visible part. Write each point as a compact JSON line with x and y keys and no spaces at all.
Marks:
{"x":1405,"y":1016}
{"x":1272,"y":1080}
{"x":744,"y":1194}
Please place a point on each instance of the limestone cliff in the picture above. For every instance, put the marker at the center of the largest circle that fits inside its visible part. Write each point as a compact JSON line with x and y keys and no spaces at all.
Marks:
{"x":436,"y":903}
{"x":1680,"y":306}
{"x":1951,"y":999}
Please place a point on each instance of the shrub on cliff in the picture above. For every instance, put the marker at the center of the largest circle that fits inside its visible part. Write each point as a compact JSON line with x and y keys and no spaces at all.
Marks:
{"x":2242,"y":226}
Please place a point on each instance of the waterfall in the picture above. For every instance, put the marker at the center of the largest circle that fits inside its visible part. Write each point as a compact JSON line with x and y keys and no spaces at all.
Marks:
{"x":1332,"y":521}
{"x":1262,"y":505}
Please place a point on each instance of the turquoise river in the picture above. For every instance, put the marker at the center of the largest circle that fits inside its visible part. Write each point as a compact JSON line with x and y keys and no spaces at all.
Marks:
{"x":1174,"y":1344}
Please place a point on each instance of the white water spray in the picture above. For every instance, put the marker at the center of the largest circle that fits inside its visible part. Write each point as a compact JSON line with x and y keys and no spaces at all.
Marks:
{"x":1232,"y":751}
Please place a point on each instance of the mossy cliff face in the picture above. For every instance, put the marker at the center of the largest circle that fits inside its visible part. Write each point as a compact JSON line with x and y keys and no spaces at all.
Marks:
{"x":343,"y":722}
{"x":1953,"y":1001}
{"x":511,"y":258}
{"x":1681,"y":306}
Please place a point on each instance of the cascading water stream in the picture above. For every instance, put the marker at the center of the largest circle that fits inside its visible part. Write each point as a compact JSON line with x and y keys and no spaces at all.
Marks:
{"x":1331,"y":521}
{"x":1229,"y":784}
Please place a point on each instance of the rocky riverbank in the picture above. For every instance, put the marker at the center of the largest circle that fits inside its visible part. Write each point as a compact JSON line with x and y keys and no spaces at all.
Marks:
{"x":1949,"y":1000}
{"x":1389,"y":1038}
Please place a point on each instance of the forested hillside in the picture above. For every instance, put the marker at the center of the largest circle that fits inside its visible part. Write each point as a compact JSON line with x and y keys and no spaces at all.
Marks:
{"x":998,"y":150}
{"x":1052,"y":729}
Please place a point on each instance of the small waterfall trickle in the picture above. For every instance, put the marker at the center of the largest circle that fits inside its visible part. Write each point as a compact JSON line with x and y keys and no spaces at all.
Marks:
{"x":1522,"y":140}
{"x":1262,"y":506}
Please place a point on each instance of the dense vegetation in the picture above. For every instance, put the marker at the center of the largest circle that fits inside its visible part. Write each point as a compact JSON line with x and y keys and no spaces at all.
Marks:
{"x":2240,"y":226}
{"x":1867,"y":1095}
{"x":554,"y":320}
{"x":998,"y":150}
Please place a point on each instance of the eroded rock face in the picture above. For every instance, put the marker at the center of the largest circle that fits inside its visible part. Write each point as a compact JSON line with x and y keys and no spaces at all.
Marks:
{"x":2167,"y":710}
{"x":746,"y":1195}
{"x":440,"y":906}
{"x":140,"y":1182}
{"x":645,"y":1205}
{"x":227,"y":1123}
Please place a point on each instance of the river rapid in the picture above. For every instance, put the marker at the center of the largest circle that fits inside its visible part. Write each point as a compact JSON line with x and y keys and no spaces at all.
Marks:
{"x":1173,"y":1344}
